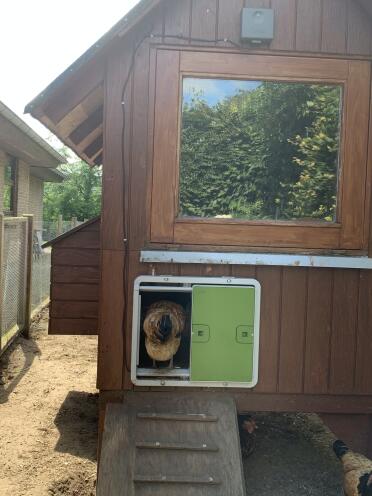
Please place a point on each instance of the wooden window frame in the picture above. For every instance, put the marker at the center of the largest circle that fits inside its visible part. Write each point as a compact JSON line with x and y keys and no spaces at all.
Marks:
{"x":13,"y":163}
{"x":352,"y":229}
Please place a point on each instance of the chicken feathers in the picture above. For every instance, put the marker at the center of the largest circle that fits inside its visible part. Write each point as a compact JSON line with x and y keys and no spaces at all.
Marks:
{"x":357,"y":471}
{"x":163,"y":326}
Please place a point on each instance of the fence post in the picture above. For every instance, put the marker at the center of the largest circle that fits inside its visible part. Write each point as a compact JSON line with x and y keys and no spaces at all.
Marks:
{"x":30,"y":233}
{"x":59,"y":225}
{"x":1,"y":275}
{"x":74,"y":222}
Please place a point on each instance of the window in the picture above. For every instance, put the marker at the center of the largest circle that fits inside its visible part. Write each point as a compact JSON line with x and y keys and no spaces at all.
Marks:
{"x":260,"y":151}
{"x":10,"y":186}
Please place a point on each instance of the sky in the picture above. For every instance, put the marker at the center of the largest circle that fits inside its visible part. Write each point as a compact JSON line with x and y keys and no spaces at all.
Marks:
{"x":39,"y":39}
{"x":213,"y":91}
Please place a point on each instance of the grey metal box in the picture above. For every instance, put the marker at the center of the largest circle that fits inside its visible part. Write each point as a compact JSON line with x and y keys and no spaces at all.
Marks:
{"x":257,"y":25}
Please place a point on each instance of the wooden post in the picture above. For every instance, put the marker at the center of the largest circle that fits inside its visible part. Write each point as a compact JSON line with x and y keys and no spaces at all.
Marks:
{"x":74,"y":222}
{"x":59,"y":225}
{"x":30,"y":232}
{"x":1,"y":275}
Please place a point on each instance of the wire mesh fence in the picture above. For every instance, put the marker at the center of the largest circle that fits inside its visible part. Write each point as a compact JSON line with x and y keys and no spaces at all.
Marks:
{"x":14,"y":237}
{"x":52,"y":229}
{"x":40,"y":287}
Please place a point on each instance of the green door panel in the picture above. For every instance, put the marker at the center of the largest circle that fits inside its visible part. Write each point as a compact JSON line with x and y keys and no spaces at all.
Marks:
{"x":222,"y":333}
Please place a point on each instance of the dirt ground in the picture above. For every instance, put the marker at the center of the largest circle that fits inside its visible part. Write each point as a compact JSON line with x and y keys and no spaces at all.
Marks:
{"x":48,"y":415}
{"x":48,"y":428}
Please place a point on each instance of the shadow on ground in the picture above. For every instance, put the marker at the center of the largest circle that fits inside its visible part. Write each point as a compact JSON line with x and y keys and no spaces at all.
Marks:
{"x":77,"y":423}
{"x":11,"y":376}
{"x":292,"y":457}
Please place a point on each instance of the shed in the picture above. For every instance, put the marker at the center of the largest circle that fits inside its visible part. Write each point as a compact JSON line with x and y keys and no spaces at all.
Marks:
{"x":126,"y":103}
{"x":75,"y":276}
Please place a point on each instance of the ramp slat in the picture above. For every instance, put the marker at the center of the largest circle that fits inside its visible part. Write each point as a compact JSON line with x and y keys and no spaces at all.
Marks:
{"x":170,"y":479}
{"x":175,"y":446}
{"x":178,"y":417}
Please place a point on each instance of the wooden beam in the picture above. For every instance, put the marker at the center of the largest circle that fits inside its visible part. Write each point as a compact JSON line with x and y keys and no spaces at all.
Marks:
{"x":60,"y":103}
{"x":95,"y":147}
{"x":99,"y":159}
{"x":87,"y":126}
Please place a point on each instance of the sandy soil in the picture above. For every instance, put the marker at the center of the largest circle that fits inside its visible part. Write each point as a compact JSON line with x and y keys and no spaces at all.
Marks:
{"x":48,"y":428}
{"x":48,"y":415}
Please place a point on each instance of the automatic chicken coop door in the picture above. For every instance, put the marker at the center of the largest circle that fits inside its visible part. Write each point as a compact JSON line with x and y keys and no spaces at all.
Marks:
{"x":200,"y":332}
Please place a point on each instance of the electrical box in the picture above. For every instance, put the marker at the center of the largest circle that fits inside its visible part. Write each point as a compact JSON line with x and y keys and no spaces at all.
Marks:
{"x":219,"y":343}
{"x":257,"y":25}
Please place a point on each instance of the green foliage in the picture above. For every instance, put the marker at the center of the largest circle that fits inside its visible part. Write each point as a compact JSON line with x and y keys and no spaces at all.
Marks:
{"x":79,"y":195}
{"x":268,"y":153}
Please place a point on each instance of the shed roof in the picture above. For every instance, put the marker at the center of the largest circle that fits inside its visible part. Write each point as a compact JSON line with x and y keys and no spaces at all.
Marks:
{"x":72,"y":231}
{"x":74,"y":112}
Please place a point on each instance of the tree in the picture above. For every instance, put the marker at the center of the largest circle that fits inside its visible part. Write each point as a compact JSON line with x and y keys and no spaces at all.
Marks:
{"x":266,"y":153}
{"x":79,"y":195}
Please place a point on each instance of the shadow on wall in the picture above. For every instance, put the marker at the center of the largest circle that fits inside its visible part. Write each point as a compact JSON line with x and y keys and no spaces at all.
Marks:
{"x":30,"y":350}
{"x":77,"y":423}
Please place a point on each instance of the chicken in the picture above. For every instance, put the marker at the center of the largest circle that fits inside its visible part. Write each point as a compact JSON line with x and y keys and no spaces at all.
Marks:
{"x":163,"y":326}
{"x":357,"y":471}
{"x":247,"y":427}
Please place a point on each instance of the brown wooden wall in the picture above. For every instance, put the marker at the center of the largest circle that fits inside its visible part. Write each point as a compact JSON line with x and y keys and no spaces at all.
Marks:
{"x":75,"y":280}
{"x":316,"y":330}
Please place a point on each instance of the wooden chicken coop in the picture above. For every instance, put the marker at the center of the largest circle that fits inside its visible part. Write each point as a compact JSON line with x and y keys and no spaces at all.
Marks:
{"x":235,"y":140}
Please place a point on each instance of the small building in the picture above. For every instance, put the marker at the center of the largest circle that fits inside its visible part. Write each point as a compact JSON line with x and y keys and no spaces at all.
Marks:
{"x":26,"y":163}
{"x":236,"y":150}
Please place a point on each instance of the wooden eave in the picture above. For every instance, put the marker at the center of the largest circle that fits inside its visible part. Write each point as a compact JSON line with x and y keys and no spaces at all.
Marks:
{"x":72,"y":105}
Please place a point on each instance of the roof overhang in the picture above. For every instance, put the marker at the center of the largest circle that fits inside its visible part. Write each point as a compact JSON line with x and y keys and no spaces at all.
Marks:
{"x":18,"y":139}
{"x":47,"y":175}
{"x":72,"y":105}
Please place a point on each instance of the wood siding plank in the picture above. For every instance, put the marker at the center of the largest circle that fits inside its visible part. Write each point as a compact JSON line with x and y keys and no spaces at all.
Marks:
{"x":113,"y":172}
{"x":344,"y":327}
{"x":363,"y":373}
{"x":177,"y":15}
{"x":81,"y":275}
{"x":75,"y":256}
{"x":229,"y":19}
{"x":204,"y":19}
{"x":270,"y":279}
{"x":74,"y":309}
{"x":111,"y":343}
{"x":75,"y":292}
{"x":285,"y":24}
{"x":292,"y":338}
{"x":73,"y":327}
{"x":334,"y":26}
{"x":308,"y":34}
{"x":138,"y":176}
{"x":81,"y":239}
{"x":318,"y":331}
{"x":358,"y":30}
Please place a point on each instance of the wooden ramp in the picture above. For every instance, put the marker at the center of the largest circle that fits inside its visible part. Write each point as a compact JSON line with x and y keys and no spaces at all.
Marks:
{"x":171,"y":444}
